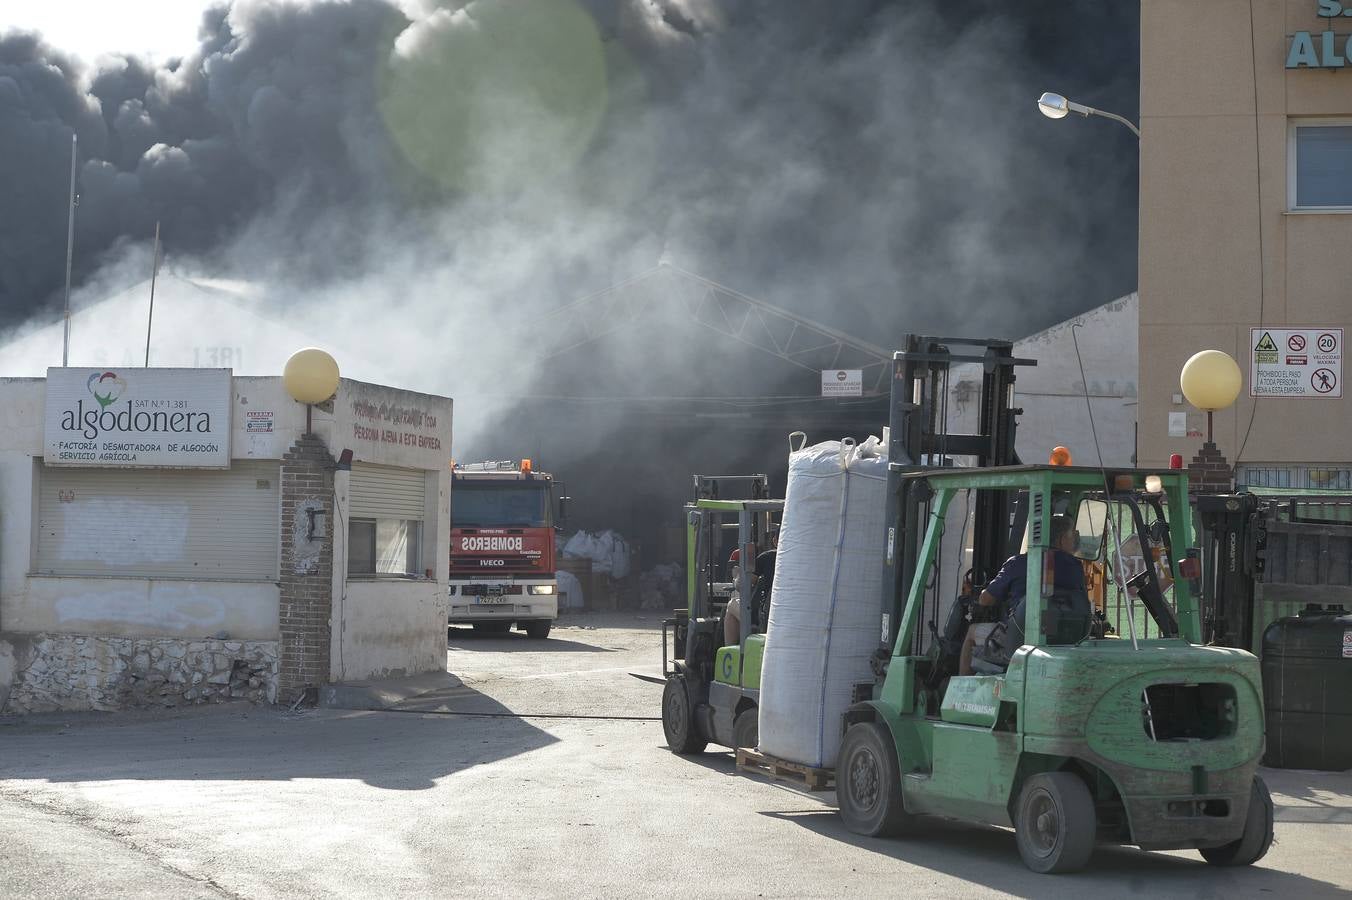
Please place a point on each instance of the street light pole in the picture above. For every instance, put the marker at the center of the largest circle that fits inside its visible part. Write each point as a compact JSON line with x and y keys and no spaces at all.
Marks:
{"x":1054,"y":106}
{"x":70,"y":252}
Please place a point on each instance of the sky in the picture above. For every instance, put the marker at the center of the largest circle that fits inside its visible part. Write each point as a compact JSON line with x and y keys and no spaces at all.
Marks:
{"x":160,"y":29}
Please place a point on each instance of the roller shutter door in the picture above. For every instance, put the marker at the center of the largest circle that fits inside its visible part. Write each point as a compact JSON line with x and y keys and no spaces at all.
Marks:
{"x":160,"y":523}
{"x":386,"y":492}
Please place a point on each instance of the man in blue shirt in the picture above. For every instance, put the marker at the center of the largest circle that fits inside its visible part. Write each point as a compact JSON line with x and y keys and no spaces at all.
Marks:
{"x":1010,"y":585}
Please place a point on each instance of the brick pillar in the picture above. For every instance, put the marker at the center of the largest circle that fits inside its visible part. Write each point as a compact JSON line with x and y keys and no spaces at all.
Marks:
{"x":307,"y":568}
{"x":1209,"y":472}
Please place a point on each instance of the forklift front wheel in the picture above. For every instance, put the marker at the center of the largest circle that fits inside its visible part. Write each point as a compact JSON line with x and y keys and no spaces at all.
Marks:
{"x":746,"y":728}
{"x":678,"y":720}
{"x":1055,"y":823}
{"x":1253,"y":844}
{"x":868,"y":782}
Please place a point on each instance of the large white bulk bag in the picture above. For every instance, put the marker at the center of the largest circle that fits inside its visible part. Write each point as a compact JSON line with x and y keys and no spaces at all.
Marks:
{"x":825,"y":600}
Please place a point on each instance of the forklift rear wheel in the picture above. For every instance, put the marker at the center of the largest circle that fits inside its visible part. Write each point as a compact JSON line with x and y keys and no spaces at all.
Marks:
{"x":1253,"y":844}
{"x":868,"y":782}
{"x":746,"y":728}
{"x":678,"y":720}
{"x":1055,"y":823}
{"x":538,"y":630}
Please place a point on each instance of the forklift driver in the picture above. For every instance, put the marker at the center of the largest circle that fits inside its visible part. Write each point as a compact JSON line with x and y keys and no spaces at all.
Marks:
{"x":732,"y":613}
{"x":1007,"y":589}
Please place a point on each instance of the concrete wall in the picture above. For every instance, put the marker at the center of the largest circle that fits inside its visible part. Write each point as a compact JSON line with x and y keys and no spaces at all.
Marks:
{"x":124,"y":607}
{"x":387,"y":627}
{"x":1220,"y":251}
{"x":142,"y":606}
{"x":1052,"y":393}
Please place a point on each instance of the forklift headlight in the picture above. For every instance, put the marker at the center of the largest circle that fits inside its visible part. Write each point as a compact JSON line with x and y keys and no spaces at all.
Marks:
{"x":540,"y":588}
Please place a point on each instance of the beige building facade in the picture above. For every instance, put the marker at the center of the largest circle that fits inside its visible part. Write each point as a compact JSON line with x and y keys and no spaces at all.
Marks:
{"x":1246,"y":231}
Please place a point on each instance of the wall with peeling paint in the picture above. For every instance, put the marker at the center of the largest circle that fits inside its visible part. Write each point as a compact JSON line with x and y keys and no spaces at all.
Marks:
{"x":387,"y":628}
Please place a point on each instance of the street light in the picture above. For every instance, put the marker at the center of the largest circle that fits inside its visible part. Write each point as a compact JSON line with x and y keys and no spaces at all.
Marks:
{"x":1054,"y":106}
{"x":310,"y":377}
{"x":1211,"y":380}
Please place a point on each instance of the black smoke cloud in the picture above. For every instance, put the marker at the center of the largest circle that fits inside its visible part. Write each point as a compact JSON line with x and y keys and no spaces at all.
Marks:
{"x":879,"y":166}
{"x":421,"y":177}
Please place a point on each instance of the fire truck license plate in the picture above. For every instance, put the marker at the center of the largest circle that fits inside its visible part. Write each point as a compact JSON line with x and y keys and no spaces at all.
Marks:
{"x":493,"y":600}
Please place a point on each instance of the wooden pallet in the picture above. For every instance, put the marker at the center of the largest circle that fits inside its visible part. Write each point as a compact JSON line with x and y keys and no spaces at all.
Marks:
{"x":809,"y":777}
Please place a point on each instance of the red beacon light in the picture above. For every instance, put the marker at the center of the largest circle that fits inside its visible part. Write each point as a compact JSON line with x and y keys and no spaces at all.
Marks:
{"x":1176,"y":461}
{"x":1060,"y":457}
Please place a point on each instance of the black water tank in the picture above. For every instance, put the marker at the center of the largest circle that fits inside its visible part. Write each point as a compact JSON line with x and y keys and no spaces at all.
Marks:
{"x":1307,"y":690}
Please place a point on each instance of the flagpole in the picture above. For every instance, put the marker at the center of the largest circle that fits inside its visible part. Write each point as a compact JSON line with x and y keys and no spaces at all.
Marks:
{"x":70,"y":251}
{"x":154,"y":270}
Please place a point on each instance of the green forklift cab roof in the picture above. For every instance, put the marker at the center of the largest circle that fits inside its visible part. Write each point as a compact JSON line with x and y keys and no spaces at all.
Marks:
{"x":1008,"y":477}
{"x":738,"y":505}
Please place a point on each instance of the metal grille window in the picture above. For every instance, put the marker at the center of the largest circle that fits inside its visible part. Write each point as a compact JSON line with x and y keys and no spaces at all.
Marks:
{"x":159,"y":523}
{"x":387,"y":506}
{"x":1321,"y":165}
{"x":1319,"y":478}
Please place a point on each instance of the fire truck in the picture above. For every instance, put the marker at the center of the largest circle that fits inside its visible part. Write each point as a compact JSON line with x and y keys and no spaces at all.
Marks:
{"x":503,"y":517}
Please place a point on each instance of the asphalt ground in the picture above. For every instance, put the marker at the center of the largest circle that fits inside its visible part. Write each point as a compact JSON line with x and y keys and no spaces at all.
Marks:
{"x":538,"y":769}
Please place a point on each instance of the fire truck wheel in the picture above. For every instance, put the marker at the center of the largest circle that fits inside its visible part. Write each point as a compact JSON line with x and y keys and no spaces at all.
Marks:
{"x":538,"y":630}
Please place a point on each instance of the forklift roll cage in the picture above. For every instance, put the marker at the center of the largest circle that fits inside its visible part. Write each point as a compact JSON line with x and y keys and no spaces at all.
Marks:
{"x":1044,"y":490}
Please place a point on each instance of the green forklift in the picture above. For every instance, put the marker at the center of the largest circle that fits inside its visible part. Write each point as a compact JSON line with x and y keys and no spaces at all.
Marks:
{"x":1067,"y":734}
{"x":713,"y":682}
{"x":1071,"y":738}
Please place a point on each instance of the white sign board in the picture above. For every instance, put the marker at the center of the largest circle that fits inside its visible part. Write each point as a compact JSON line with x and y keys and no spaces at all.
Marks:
{"x":160,"y":418}
{"x":1296,"y":362}
{"x":1178,"y":424}
{"x":843,"y":383}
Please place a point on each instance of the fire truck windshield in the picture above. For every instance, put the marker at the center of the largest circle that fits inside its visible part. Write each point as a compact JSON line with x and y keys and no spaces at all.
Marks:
{"x":500,"y":505}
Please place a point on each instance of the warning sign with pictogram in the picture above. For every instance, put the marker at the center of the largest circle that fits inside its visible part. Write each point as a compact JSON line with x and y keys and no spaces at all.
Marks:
{"x":1310,"y":366}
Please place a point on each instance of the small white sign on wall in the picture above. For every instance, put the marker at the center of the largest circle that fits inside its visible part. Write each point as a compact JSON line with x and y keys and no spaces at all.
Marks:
{"x":843,"y":383}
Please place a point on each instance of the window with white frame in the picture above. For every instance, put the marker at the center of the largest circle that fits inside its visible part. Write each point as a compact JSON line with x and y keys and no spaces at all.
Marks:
{"x":1319,"y":153}
{"x":385,"y":534}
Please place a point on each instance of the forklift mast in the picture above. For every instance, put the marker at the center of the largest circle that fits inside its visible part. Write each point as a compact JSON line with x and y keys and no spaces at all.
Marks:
{"x":920,"y":437}
{"x":1231,"y":534}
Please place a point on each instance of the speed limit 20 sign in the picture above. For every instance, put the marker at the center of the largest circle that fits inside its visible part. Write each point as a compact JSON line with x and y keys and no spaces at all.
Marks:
{"x":1296,"y":362}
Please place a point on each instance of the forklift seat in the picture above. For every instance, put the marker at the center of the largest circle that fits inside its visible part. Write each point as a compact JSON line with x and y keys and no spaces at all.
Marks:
{"x":1067,"y":620}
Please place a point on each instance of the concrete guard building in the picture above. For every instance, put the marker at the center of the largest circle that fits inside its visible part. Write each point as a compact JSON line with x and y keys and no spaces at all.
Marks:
{"x":1245,"y":231}
{"x":177,"y":536}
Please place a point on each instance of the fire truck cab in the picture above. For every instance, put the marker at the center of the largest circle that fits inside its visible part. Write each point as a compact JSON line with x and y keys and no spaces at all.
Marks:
{"x":503,"y":517}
